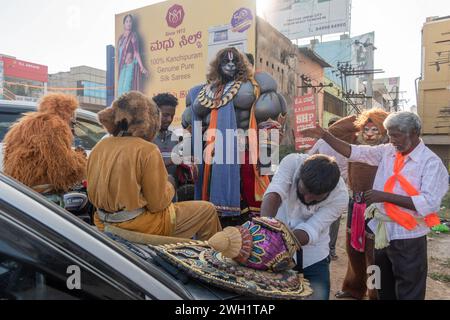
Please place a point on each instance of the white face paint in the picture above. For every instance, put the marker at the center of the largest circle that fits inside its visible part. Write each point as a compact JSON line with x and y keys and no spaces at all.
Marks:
{"x":371,"y":132}
{"x":230,"y":56}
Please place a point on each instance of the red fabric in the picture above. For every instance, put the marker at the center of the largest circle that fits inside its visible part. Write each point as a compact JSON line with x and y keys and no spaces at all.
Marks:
{"x":248,"y":186}
{"x":186,"y":174}
{"x":358,"y":237}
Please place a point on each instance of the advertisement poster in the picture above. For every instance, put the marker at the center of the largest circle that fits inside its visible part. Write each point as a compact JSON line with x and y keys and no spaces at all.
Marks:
{"x":358,"y":50}
{"x":298,"y":19}
{"x":167,"y":47}
{"x":305,"y":117}
{"x":388,"y":87}
{"x":14,"y":68}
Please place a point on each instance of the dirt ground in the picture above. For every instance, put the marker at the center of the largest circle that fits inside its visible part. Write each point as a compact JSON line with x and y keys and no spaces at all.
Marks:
{"x":438,"y":267}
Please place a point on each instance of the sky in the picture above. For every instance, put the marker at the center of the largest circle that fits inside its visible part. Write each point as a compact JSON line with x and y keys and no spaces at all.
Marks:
{"x":66,"y":33}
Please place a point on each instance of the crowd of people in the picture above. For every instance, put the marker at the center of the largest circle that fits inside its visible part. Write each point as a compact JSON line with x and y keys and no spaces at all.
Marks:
{"x":373,"y":166}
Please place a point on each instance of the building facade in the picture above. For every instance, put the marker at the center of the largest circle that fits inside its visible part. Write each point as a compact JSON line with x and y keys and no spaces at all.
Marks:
{"x":434,"y":87}
{"x":87,"y":83}
{"x":22,"y":80}
{"x":292,"y":67}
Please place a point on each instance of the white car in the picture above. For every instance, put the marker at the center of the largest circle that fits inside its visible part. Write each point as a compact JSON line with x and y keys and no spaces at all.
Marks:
{"x":87,"y":131}
{"x":42,"y":247}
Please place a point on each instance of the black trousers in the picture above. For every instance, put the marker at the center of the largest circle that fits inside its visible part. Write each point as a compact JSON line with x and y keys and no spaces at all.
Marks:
{"x":404,"y":268}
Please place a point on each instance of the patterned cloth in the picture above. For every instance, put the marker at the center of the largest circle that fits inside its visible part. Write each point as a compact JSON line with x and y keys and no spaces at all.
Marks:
{"x":200,"y":261}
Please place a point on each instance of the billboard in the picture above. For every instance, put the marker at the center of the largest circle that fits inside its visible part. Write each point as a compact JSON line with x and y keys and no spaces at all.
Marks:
{"x":387,"y":89}
{"x":363,"y":48}
{"x":334,"y":52}
{"x":363,"y":58}
{"x":167,"y":47}
{"x":305,"y":111}
{"x":358,"y":51}
{"x":24,"y":70}
{"x":298,"y":19}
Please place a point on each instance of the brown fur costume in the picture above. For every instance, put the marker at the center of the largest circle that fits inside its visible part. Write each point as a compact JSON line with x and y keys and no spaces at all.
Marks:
{"x":132,"y":114}
{"x":38,"y":148}
{"x":360,"y":179}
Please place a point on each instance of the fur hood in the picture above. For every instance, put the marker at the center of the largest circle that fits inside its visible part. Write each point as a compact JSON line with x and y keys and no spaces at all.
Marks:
{"x":38,"y":148}
{"x":61,"y":105}
{"x":132,"y":113}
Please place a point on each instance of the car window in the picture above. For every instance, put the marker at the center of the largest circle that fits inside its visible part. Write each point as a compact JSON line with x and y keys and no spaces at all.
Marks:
{"x":21,"y":281}
{"x":43,"y":242}
{"x":6,"y":120}
{"x":87,"y":134}
{"x":42,"y":265}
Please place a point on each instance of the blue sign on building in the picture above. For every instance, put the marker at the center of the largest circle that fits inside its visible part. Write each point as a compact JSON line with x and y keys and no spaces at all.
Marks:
{"x":110,"y":74}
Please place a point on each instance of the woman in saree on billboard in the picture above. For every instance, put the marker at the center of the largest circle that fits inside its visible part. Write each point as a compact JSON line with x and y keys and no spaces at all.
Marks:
{"x":131,"y":69}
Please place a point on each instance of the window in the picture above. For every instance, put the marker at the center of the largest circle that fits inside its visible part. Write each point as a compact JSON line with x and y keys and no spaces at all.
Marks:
{"x":221,"y":35}
{"x":87,"y":134}
{"x":91,"y":89}
{"x":43,"y":265}
{"x":21,"y":281}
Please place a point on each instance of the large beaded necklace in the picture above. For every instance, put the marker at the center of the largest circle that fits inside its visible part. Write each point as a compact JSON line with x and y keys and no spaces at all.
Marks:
{"x":207,"y":97}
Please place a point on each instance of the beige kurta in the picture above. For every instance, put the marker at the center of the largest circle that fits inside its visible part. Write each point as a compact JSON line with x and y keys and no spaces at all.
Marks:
{"x":128,"y":173}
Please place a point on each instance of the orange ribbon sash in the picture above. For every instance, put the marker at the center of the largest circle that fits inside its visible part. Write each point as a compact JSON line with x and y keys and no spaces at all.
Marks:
{"x":394,"y":212}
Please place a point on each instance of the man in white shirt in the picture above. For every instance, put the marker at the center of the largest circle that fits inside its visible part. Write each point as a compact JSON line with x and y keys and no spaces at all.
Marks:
{"x":321,"y":147}
{"x":408,"y":189}
{"x":308,"y":195}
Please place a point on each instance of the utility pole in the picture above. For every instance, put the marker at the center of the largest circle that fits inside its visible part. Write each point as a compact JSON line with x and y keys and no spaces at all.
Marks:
{"x":346,"y":70}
